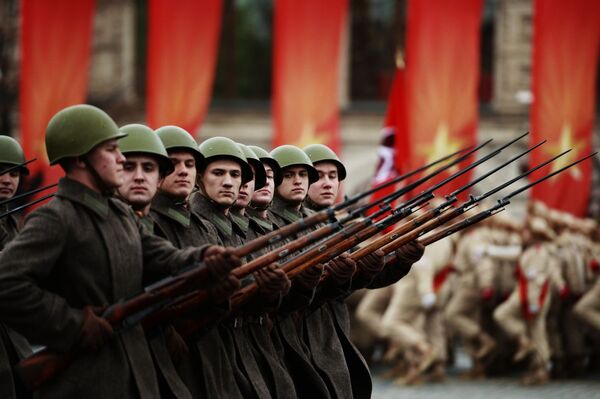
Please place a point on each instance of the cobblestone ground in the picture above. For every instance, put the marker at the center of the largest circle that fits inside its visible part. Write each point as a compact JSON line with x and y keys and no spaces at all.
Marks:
{"x":495,"y":388}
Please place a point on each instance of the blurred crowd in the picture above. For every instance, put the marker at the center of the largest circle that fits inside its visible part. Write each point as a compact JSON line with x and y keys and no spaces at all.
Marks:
{"x":515,"y":295}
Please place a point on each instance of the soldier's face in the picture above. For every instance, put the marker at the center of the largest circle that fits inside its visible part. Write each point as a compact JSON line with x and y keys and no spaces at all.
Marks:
{"x":221,"y":180}
{"x":108,"y":162}
{"x":263,"y":197}
{"x":141,"y":177}
{"x":9,"y":182}
{"x":325,"y":190}
{"x":180,"y":183}
{"x":294,"y":186}
{"x":246,"y":192}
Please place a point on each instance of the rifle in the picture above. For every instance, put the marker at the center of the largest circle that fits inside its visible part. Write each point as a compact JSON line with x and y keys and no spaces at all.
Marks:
{"x":19,"y":208}
{"x":500,"y":206}
{"x":430,"y":214}
{"x":28,"y":193}
{"x":412,"y":231}
{"x":11,"y":168}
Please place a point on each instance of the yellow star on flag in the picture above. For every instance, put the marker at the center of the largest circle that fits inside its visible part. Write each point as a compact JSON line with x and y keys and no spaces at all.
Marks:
{"x":310,"y":136}
{"x":441,"y":146}
{"x":565,"y":142}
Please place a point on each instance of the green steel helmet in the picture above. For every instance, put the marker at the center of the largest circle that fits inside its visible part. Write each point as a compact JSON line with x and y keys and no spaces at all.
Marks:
{"x":142,"y":140}
{"x":176,"y":138}
{"x":223,"y":147}
{"x":260,"y":176}
{"x":265,"y":157}
{"x":76,"y":130}
{"x":11,"y":153}
{"x":289,"y":155}
{"x":322,"y":153}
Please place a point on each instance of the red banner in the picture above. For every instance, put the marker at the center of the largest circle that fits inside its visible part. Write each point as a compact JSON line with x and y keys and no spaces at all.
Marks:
{"x":565,"y":60}
{"x":183,"y":38}
{"x":394,"y":139}
{"x":307,"y":44}
{"x":442,"y":74}
{"x":55,"y":53}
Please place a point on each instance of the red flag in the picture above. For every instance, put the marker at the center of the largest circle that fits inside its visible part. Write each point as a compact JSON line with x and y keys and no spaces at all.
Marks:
{"x":55,"y":52}
{"x":442,"y":73}
{"x":565,"y":59}
{"x":394,"y":141}
{"x":182,"y":51}
{"x":307,"y":43}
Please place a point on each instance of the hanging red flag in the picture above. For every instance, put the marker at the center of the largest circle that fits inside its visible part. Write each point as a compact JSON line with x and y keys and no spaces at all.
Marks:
{"x":442,"y":74}
{"x":565,"y":61}
{"x":182,"y":51}
{"x":55,"y":52}
{"x":394,"y":140}
{"x":307,"y":44}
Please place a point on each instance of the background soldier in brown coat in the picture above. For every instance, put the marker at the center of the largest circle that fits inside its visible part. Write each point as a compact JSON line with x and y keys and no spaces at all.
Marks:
{"x":98,"y":252}
{"x":13,"y":347}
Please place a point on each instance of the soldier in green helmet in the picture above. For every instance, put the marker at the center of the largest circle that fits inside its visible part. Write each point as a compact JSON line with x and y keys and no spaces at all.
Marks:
{"x":323,"y":193}
{"x":174,"y":220}
{"x":13,"y":346}
{"x":146,"y":166}
{"x":226,"y":170}
{"x":83,"y":251}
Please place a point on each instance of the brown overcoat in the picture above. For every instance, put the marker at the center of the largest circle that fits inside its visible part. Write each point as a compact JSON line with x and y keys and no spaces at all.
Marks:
{"x":82,"y":249}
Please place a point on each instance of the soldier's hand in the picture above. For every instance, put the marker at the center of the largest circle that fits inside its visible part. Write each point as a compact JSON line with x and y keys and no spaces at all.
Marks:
{"x":341,"y":268}
{"x":410,"y":252}
{"x":220,"y":261}
{"x":223,"y":290}
{"x":95,"y":331}
{"x":372,"y":263}
{"x":272,"y":281}
{"x":310,"y":277}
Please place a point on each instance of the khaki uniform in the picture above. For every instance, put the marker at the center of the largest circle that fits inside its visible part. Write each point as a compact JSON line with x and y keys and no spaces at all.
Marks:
{"x":463,"y":310}
{"x":96,"y":254}
{"x":414,"y":317}
{"x":588,"y":307}
{"x":523,"y":314}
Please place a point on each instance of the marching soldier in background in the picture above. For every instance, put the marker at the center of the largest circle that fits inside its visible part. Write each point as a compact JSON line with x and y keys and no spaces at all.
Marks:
{"x":83,"y":251}
{"x":523,"y":315}
{"x":145,"y":168}
{"x":13,"y":347}
{"x":464,"y":307}
{"x":414,"y":320}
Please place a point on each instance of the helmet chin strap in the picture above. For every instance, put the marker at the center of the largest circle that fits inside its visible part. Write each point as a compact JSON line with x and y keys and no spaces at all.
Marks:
{"x":104,"y":188}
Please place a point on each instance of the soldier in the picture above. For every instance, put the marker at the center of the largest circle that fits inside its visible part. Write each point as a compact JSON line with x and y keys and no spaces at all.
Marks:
{"x":414,"y":319}
{"x":291,"y":351}
{"x":97,"y":253}
{"x":523,"y":315}
{"x":463,"y":310}
{"x":173,"y":220}
{"x":13,"y":347}
{"x":225,"y":171}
